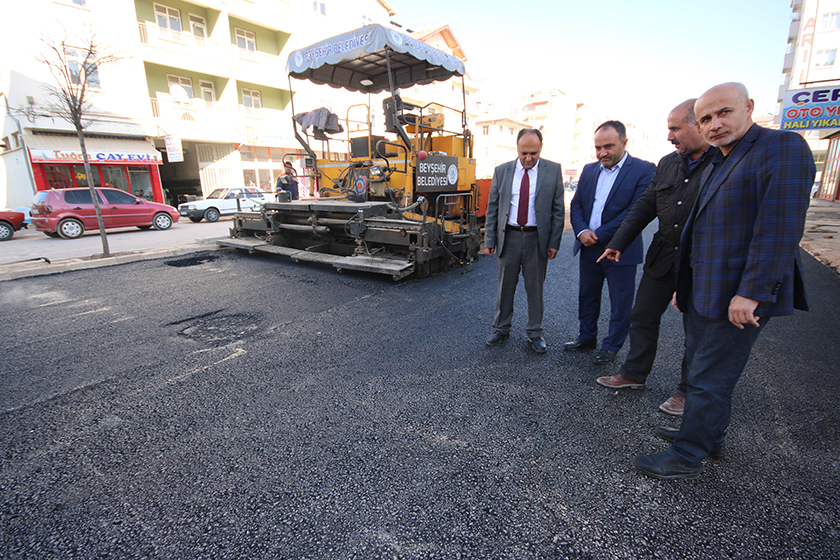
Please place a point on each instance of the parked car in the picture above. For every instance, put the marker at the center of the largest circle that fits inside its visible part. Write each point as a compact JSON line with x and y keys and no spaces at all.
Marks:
{"x":68,"y":213}
{"x":10,"y":222}
{"x":223,"y":202}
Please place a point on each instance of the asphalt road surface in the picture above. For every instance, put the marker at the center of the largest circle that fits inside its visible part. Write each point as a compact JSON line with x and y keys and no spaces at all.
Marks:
{"x":232,"y":406}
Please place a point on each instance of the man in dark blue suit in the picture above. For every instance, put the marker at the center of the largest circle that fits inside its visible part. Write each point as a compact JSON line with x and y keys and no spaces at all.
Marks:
{"x":739,"y":266}
{"x":606,"y":191}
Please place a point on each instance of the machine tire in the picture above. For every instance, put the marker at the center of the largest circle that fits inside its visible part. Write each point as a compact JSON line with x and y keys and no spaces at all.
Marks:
{"x":7,"y":231}
{"x":211,"y":215}
{"x":70,"y":228}
{"x":195,"y":220}
{"x":162,"y":221}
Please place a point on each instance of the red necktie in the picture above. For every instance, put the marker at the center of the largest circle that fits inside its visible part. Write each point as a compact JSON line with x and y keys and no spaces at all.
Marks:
{"x":522,"y":214}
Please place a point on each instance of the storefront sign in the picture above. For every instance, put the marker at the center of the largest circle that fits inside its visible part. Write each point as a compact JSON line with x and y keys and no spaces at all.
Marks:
{"x":174,"y":151}
{"x":97,"y":156}
{"x":811,"y":109}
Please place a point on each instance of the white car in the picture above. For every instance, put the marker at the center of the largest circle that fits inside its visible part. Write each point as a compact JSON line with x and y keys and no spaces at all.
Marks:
{"x":223,"y":202}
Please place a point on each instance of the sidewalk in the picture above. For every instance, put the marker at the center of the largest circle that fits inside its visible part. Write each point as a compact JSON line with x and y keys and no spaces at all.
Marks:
{"x":13,"y":271}
{"x":821,"y":239}
{"x":822,"y":232}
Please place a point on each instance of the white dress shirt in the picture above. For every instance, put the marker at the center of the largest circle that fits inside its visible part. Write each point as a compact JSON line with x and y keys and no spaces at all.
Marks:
{"x":514,"y":198}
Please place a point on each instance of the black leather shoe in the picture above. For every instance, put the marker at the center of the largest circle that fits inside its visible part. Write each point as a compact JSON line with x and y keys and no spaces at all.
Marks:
{"x":538,"y":344}
{"x":575,"y":346}
{"x":604,"y":357}
{"x":663,"y":466}
{"x":670,"y":434}
{"x":497,"y":338}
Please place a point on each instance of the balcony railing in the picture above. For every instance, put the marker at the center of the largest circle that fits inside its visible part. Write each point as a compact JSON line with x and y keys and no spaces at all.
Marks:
{"x":151,"y":34}
{"x":198,"y":112}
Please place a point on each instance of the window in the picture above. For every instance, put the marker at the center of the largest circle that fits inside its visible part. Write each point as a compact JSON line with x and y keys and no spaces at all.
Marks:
{"x":319,"y":7}
{"x":485,"y":130}
{"x":78,"y":197}
{"x":198,"y":27}
{"x":181,"y":89}
{"x":830,"y":22}
{"x":118,"y":197}
{"x":247,"y":153}
{"x":251,"y":101}
{"x":246,"y":40}
{"x":825,"y":58}
{"x":208,"y":93}
{"x":169,"y":22}
{"x":58,"y":176}
{"x":82,"y":67}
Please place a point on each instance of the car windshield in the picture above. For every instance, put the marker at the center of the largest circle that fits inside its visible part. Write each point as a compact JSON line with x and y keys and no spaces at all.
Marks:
{"x":217,"y":193}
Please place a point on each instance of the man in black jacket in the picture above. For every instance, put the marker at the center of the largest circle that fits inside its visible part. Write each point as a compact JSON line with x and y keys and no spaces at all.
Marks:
{"x":669,"y":198}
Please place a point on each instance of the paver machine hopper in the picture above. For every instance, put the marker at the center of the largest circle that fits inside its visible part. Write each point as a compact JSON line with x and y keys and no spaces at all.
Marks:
{"x":403,"y":200}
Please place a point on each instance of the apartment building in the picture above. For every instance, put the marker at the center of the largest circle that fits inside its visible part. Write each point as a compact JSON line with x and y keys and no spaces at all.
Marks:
{"x":207,"y":76}
{"x":812,"y":62}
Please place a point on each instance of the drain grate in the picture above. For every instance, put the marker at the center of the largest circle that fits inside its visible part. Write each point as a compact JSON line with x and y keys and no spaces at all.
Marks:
{"x":222,"y":330}
{"x":193,"y":260}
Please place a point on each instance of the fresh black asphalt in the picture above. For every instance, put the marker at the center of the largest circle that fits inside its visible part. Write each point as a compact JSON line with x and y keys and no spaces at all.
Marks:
{"x":223,"y":405}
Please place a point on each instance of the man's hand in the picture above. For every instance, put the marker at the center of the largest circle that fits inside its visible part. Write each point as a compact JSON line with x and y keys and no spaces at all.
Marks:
{"x":674,"y":302}
{"x":588,"y":238}
{"x":488,"y":251}
{"x":741,"y":312}
{"x":552,"y":253}
{"x":610,"y":254}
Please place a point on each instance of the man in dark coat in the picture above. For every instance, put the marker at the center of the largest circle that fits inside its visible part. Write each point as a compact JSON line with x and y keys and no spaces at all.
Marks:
{"x":739,"y":266}
{"x":670,"y":198}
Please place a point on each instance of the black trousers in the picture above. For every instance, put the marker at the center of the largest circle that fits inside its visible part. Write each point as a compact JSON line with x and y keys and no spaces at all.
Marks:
{"x":652,"y":299}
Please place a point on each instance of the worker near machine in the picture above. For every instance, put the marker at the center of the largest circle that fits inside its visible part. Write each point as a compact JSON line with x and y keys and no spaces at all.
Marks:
{"x":669,"y":197}
{"x":606,"y":191}
{"x":524,"y":223}
{"x":288,"y":181}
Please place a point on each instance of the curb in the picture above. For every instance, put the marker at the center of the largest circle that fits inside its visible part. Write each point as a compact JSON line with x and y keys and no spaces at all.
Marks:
{"x":15,"y":271}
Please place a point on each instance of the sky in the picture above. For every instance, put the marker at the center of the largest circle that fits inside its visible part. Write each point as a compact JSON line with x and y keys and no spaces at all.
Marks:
{"x":637,"y":58}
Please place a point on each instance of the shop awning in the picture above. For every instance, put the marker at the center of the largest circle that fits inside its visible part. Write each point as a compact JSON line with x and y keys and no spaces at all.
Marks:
{"x":45,"y":148}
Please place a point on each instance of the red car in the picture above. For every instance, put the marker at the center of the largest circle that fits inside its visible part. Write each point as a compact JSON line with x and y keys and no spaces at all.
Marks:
{"x":10,"y":222}
{"x":69,"y":212}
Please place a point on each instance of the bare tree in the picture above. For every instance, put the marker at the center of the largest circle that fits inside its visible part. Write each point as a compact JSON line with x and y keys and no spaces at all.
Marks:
{"x":74,"y":65}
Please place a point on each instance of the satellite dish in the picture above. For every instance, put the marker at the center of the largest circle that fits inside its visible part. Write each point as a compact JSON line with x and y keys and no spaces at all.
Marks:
{"x":179,"y":94}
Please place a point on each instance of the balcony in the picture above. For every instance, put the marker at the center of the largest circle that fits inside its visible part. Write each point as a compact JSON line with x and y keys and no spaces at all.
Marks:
{"x":788,"y":64}
{"x":793,"y":33}
{"x":196,"y":120}
{"x":182,"y":49}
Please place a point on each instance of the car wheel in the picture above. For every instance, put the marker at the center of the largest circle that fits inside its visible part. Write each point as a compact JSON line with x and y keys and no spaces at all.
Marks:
{"x":6,"y":231}
{"x":195,"y":220}
{"x":162,"y":221}
{"x":70,"y":228}
{"x":211,"y":215}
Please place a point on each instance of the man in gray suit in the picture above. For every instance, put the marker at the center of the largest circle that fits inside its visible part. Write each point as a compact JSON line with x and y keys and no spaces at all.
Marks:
{"x":525,"y":214}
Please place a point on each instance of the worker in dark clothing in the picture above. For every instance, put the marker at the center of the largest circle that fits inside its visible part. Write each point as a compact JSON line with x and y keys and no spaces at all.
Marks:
{"x":669,"y":197}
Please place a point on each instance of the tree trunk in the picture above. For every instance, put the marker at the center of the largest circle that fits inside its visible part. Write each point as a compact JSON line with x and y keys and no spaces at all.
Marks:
{"x":89,"y":174}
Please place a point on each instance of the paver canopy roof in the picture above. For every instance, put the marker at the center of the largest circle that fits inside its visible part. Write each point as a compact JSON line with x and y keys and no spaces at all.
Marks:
{"x":346,"y":60}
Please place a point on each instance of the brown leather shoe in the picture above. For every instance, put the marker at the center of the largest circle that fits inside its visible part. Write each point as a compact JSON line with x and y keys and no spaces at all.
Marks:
{"x":675,"y":405}
{"x":618,"y":381}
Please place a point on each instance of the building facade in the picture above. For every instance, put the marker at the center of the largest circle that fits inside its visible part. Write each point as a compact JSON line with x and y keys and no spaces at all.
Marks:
{"x":207,"y":76}
{"x":811,"y":61}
